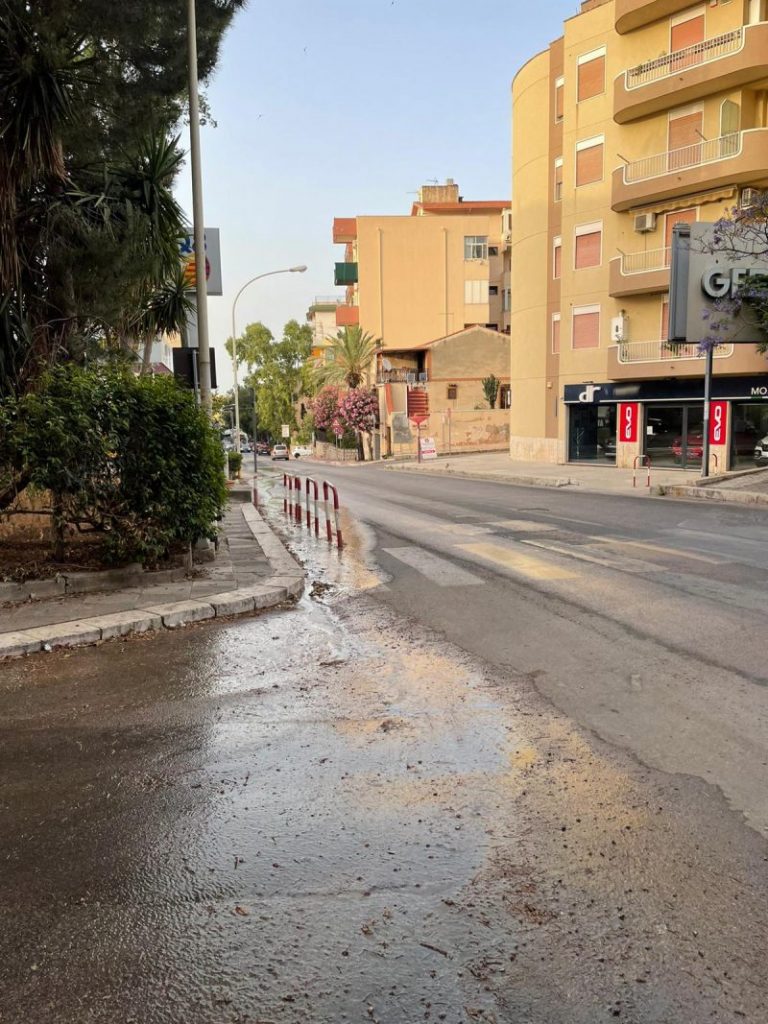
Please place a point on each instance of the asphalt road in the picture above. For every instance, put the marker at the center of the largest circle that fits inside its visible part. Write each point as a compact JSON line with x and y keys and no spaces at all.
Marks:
{"x":505,"y":763}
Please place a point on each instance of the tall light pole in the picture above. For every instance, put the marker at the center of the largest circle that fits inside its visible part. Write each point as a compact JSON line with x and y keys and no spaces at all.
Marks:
{"x":201,"y":290}
{"x":270,"y":273}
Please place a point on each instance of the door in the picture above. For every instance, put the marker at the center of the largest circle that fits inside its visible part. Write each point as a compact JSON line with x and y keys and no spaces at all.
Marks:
{"x":730,"y":123}
{"x":684,"y":139}
{"x":592,"y":433}
{"x":674,"y":435}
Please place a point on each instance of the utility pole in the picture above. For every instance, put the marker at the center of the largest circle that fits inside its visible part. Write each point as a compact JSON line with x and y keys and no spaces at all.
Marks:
{"x":201,"y":288}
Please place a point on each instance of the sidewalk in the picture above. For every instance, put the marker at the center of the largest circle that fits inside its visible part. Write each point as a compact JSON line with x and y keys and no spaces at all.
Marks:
{"x":253,"y":571}
{"x":601,"y":477}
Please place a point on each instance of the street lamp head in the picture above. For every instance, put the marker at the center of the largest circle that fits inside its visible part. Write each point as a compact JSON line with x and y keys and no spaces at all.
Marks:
{"x":298,"y":270}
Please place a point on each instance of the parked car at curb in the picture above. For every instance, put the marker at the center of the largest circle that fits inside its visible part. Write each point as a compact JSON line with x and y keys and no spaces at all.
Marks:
{"x":761,"y":452}
{"x":263,"y":448}
{"x":302,"y":451}
{"x":280,"y":451}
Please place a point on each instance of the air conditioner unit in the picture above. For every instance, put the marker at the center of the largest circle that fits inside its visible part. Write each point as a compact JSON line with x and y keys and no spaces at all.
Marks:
{"x":507,"y":237}
{"x":620,"y":328}
{"x":749,"y":198}
{"x":645,"y":222}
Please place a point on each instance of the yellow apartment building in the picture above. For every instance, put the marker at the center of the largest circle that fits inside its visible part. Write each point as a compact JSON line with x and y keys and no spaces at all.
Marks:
{"x":322,"y":316}
{"x":434,"y":286}
{"x":657,"y":113}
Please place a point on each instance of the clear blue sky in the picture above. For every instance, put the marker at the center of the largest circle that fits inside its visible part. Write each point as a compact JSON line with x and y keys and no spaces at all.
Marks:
{"x":346,"y":107}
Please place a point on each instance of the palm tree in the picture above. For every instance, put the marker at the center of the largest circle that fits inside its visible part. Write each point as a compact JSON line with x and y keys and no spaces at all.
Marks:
{"x":350,"y":354}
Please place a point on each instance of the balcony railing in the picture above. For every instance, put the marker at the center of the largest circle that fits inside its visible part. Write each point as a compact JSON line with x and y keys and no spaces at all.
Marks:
{"x":401,"y":376}
{"x":645,"y":262}
{"x":705,"y":152}
{"x":677,"y":61}
{"x":664,"y":352}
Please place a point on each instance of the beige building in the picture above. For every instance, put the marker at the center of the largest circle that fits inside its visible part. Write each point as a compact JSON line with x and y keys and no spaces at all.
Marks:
{"x":657,"y":113}
{"x":322,"y":316}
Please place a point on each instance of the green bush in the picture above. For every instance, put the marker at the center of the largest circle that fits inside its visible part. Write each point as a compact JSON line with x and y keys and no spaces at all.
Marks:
{"x":132,"y":457}
{"x":234,"y":463}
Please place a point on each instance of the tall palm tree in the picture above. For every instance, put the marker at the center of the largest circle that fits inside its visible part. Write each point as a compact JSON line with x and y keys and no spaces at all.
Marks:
{"x":346,"y":361}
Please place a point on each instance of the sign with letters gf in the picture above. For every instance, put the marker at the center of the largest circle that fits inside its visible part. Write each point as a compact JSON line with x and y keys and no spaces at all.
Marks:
{"x":629,"y":421}
{"x":718,"y":421}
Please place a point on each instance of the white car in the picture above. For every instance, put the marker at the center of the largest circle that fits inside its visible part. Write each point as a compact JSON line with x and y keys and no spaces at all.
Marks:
{"x":280,"y":451}
{"x":302,"y":451}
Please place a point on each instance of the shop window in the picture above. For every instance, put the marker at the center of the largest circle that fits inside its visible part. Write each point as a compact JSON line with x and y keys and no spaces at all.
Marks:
{"x":749,"y":425}
{"x":588,"y":248}
{"x":586,"y":327}
{"x":589,"y":160}
{"x":591,"y":68}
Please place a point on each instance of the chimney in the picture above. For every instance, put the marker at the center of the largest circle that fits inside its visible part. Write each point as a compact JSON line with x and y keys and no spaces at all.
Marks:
{"x":447,"y":193}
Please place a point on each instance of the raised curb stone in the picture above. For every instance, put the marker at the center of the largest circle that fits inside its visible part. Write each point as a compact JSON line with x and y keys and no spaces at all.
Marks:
{"x":181,"y":612}
{"x":66,"y":634}
{"x":13,"y":645}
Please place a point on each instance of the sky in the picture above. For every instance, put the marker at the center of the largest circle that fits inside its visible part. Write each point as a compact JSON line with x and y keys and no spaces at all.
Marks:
{"x":339,"y":108}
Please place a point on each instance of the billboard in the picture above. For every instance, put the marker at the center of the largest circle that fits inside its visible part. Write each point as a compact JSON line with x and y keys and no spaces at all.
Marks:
{"x":701,"y":277}
{"x":212,"y":260}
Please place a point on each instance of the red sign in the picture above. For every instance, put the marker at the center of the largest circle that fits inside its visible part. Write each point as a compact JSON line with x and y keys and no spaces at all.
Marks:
{"x":718,"y":422}
{"x":629,"y":422}
{"x":418,"y":420}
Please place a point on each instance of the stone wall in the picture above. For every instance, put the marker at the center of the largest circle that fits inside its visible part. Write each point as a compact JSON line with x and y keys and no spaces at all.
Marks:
{"x":466,"y":430}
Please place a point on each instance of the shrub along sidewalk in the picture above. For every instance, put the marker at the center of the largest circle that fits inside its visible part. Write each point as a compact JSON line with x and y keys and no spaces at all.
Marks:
{"x":253,"y":572}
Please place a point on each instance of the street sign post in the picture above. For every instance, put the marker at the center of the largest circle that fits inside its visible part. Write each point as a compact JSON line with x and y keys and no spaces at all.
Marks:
{"x":417,"y":422}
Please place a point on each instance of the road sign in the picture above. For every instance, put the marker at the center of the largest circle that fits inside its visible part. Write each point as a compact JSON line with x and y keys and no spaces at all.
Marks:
{"x":428,"y":448}
{"x":418,"y":420}
{"x":286,"y":430}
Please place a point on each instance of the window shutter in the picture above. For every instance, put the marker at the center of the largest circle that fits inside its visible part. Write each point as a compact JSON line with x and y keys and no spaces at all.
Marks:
{"x":559,"y":100}
{"x":680,"y":217}
{"x":687,"y":33}
{"x":589,"y":164}
{"x":556,"y":335}
{"x":558,"y":179}
{"x":685,"y":138}
{"x":586,"y":330}
{"x":588,"y":249}
{"x":665,"y":320}
{"x":557,"y":260}
{"x":591,"y":78}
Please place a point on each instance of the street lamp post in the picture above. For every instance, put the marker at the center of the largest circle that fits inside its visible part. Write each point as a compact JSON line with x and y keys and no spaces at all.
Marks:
{"x":270,"y":273}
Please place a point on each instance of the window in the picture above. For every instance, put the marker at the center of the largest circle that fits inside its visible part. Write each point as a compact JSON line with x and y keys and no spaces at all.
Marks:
{"x":555,"y":333}
{"x":679,"y":217}
{"x":588,"y":247}
{"x":586,"y":327}
{"x":493,"y":250}
{"x":589,"y":160}
{"x":557,"y":257}
{"x":665,"y":318}
{"x":475,"y":293}
{"x":591,"y":74}
{"x":505,"y":396}
{"x":476,"y":247}
{"x":493,"y":289}
{"x":453,"y":391}
{"x":506,"y":303}
{"x":558,"y":179}
{"x":492,"y":327}
{"x":686,"y":30}
{"x":559,"y":99}
{"x":685,"y":137}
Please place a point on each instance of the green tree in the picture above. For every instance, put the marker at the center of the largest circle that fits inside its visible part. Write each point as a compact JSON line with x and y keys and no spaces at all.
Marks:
{"x":252,"y":346}
{"x":349,"y":358}
{"x":491,"y":389}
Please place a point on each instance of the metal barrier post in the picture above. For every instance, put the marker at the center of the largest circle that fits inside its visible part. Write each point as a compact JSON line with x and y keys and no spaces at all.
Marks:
{"x":315,"y":499}
{"x":297,"y":507}
{"x":285,"y":494}
{"x":646,"y":461}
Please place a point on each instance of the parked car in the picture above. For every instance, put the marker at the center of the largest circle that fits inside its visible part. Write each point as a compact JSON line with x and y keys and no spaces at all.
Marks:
{"x":263,"y":448}
{"x":761,"y":452}
{"x":302,"y":451}
{"x":280,"y":451}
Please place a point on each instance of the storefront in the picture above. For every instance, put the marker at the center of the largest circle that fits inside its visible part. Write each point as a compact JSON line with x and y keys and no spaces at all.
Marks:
{"x":664,"y":420}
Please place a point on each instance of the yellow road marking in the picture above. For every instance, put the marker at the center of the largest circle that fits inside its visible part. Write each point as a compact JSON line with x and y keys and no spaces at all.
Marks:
{"x":607,"y":561}
{"x":657,"y":547}
{"x":525,"y":526}
{"x":524,"y":564}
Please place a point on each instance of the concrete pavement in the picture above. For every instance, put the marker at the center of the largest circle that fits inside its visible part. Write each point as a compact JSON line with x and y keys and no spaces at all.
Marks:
{"x":253,"y":571}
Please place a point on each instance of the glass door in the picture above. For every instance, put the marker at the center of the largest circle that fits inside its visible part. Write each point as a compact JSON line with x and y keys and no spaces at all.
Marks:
{"x":674,"y":435}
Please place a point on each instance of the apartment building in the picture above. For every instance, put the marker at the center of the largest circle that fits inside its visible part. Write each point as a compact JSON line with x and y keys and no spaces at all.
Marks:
{"x":657,"y":113}
{"x":322,"y":316}
{"x":417,"y":277}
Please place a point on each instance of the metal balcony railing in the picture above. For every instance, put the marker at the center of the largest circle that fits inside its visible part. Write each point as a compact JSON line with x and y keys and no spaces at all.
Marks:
{"x":677,"y":61}
{"x":401,"y":376}
{"x":645,"y":262}
{"x":704,"y":152}
{"x":664,"y":352}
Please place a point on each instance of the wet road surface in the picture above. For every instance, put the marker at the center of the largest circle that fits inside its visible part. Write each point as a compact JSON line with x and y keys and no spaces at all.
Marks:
{"x":354,"y":810}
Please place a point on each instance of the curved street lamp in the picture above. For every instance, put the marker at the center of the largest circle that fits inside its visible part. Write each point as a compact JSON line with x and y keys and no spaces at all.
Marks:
{"x":288,"y":270}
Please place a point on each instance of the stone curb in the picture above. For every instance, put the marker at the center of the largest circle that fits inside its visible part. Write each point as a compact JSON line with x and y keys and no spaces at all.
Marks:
{"x":287,"y":580}
{"x":718,"y":494}
{"x":523,"y":481}
{"x":105,"y":581}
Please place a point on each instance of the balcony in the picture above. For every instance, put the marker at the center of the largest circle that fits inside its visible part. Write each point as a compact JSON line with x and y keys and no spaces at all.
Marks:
{"x":737,"y":159}
{"x":727,"y":61}
{"x":632,"y":14}
{"x":346,"y":273}
{"x":402,"y":376}
{"x":344,"y":229}
{"x":347,"y":316}
{"x":664,"y":352}
{"x":640,"y":273}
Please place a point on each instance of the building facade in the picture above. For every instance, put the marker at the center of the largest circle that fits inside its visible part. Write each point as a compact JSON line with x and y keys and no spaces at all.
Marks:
{"x":657,"y":114}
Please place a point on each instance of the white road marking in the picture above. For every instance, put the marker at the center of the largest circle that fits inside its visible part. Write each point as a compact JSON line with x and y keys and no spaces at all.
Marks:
{"x":439,"y":570}
{"x":524,"y":526}
{"x":607,"y":561}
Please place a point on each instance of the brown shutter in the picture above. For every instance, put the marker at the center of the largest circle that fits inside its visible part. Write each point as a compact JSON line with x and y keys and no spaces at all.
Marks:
{"x":685,"y":138}
{"x":557,"y":261}
{"x":558,"y":182}
{"x":681,"y":217}
{"x":687,"y":33}
{"x":588,"y":250}
{"x":559,"y":102}
{"x":591,"y":78}
{"x":586,"y":330}
{"x":555,"y":336}
{"x":589,"y":165}
{"x":665,"y":320}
